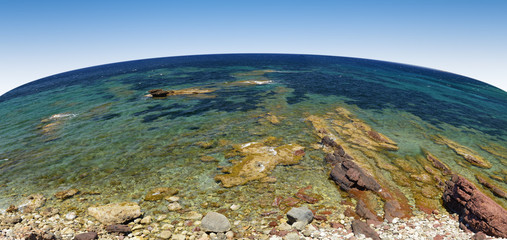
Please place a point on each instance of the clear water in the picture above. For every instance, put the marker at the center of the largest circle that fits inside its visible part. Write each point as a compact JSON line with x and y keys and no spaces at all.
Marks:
{"x":110,"y":138}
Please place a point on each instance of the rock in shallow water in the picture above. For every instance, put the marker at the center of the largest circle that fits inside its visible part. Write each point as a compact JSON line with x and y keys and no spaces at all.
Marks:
{"x":476,"y":209}
{"x":215,"y":222}
{"x":66,"y":193}
{"x":86,"y":236}
{"x":115,"y":213}
{"x":301,"y":214}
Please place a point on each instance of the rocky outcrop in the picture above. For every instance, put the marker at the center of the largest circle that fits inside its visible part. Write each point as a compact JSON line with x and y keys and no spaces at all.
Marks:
{"x":468,"y":154}
{"x":479,"y":212}
{"x":349,"y":175}
{"x":215,"y":222}
{"x":115,"y":213}
{"x":158,"y":93}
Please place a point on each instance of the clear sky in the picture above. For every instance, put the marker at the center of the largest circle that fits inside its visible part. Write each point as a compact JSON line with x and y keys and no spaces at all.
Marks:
{"x":42,"y":38}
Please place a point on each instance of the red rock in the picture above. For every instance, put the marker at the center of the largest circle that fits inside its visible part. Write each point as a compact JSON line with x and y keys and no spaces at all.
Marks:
{"x":360,"y":227}
{"x":349,"y":175}
{"x":392,"y":209}
{"x":479,"y":236}
{"x":363,"y":211}
{"x":476,"y":210}
{"x":337,"y":225}
{"x":438,"y":237}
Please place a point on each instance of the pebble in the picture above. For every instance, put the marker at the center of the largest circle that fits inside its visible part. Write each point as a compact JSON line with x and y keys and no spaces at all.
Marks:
{"x":70,"y":216}
{"x":235,"y":207}
{"x":146,"y":220}
{"x":174,"y":206}
{"x":291,"y":236}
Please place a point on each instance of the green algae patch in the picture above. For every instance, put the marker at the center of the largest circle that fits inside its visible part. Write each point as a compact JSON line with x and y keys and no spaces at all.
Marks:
{"x":259,"y":159}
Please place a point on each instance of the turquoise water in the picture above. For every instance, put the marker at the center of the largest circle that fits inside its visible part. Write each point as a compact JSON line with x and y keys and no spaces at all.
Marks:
{"x":95,"y":130}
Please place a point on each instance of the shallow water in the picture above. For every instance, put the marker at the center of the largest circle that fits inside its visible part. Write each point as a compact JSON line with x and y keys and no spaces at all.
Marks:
{"x":95,"y":130}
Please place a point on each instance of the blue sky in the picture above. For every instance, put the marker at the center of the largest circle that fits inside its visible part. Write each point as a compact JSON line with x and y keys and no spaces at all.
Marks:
{"x":42,"y":38}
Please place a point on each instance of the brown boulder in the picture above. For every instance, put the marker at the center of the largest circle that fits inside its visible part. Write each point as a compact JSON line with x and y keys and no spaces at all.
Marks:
{"x":349,"y":175}
{"x":479,"y":212}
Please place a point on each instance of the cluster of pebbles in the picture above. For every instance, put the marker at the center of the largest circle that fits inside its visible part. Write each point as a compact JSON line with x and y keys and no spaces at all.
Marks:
{"x":300,"y":226}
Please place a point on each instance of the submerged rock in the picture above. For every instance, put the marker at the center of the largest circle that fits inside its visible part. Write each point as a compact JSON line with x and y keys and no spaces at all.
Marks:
{"x":66,"y":193}
{"x":215,"y":222}
{"x":32,"y":203}
{"x":118,"y":228}
{"x":495,"y":189}
{"x":115,"y":213}
{"x":258,"y":162}
{"x":160,"y":193}
{"x":468,"y":154}
{"x":476,"y":210}
{"x":86,"y":236}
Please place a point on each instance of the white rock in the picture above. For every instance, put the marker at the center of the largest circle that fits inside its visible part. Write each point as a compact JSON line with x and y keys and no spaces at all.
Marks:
{"x":70,"y":216}
{"x":174,"y":206}
{"x":235,"y":207}
{"x":115,"y":213}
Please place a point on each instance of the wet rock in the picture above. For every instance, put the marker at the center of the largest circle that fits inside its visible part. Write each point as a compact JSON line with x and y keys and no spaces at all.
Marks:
{"x":187,"y":91}
{"x":338,"y":156}
{"x":192,"y":215}
{"x":160,"y":193}
{"x":438,"y":163}
{"x":360,"y":227}
{"x":301,"y":214}
{"x":49,"y":211}
{"x":11,"y":220}
{"x":11,"y":209}
{"x":66,"y":193}
{"x":32,"y":203}
{"x":174,"y":206}
{"x":326,"y":140}
{"x":118,"y":228}
{"x":476,"y":210}
{"x":363,"y":211}
{"x":392,"y":210}
{"x":115,"y":213}
{"x":87,"y":236}
{"x":349,"y":175}
{"x":70,"y":216}
{"x":215,"y":222}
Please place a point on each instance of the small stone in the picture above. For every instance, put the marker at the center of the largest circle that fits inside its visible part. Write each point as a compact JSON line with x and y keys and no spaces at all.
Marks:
{"x":192,"y":215}
{"x":165,"y":234}
{"x":299,"y":225}
{"x":87,"y":236}
{"x":115,"y":213}
{"x":284,"y":227}
{"x":215,"y":222}
{"x":118,"y":228}
{"x":172,"y":198}
{"x":161,"y":217}
{"x":179,"y":237}
{"x":146,"y":220}
{"x":174,"y":206}
{"x":235,"y":207}
{"x":302,"y":214}
{"x":291,"y":236}
{"x":11,"y":209}
{"x":309,"y":229}
{"x":70,"y":216}
{"x":229,"y":235}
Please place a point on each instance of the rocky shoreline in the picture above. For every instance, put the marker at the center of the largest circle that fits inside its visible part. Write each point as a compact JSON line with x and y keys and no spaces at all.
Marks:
{"x":72,"y":226}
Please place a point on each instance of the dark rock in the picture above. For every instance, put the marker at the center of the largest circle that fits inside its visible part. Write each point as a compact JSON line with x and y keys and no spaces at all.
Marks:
{"x":338,"y":156}
{"x":349,"y":175}
{"x":118,"y":228}
{"x":40,"y":236}
{"x":215,"y":222}
{"x":301,"y":214}
{"x":11,"y":209}
{"x":496,"y":190}
{"x":86,"y":236}
{"x":329,"y":142}
{"x":477,"y":211}
{"x":438,"y":164}
{"x":360,"y":227}
{"x":158,"y":93}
